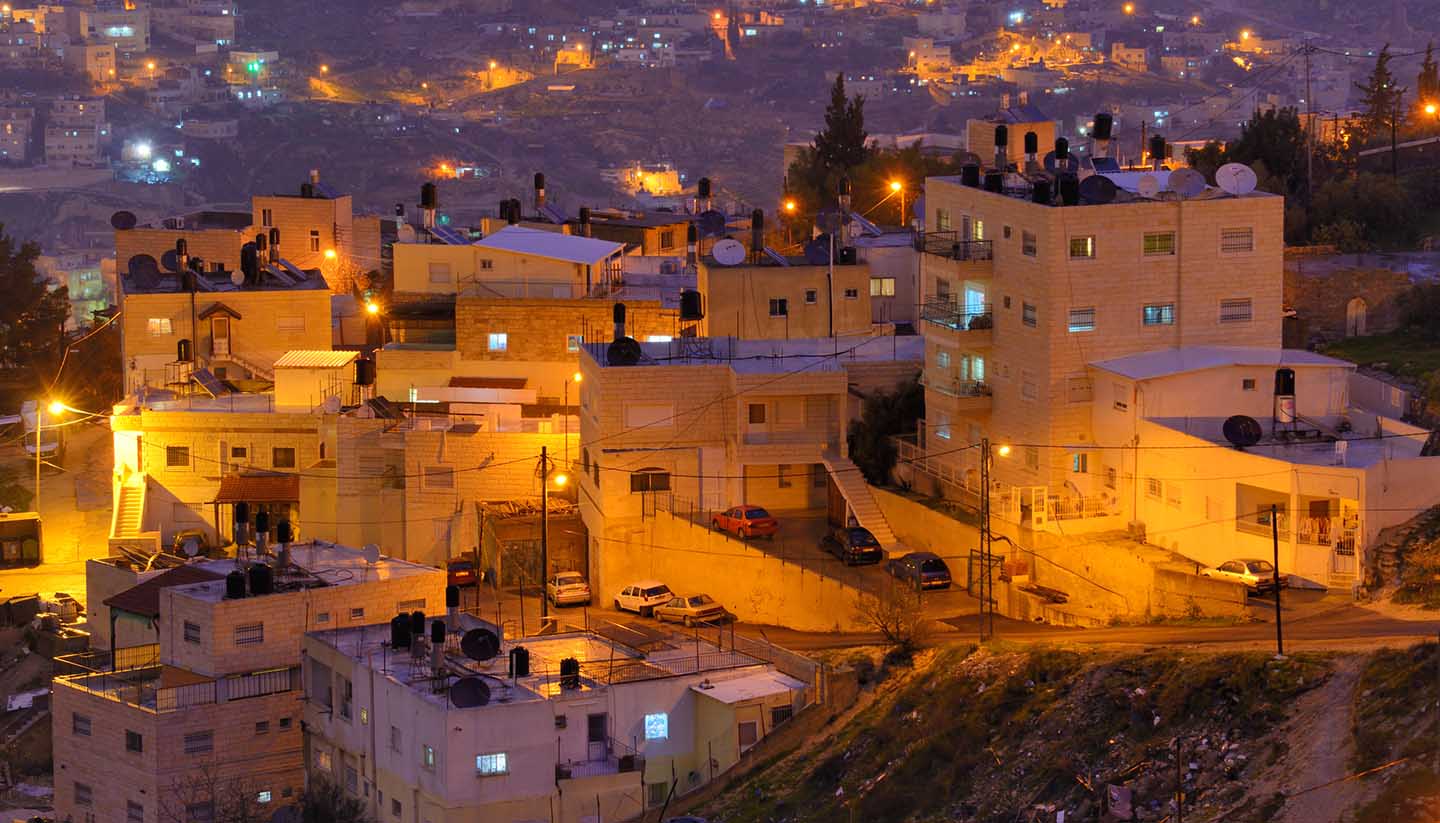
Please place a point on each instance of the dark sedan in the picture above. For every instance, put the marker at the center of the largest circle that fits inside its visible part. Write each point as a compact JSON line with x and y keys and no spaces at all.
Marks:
{"x":853,"y":545}
{"x":923,"y":570}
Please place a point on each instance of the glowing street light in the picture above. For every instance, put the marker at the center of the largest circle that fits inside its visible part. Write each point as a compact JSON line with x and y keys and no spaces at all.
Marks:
{"x":561,"y":479}
{"x":494,"y":65}
{"x":898,"y":188}
{"x":1431,"y":108}
{"x":1194,"y":19}
{"x":1003,"y":451}
{"x":372,"y":308}
{"x":324,"y":68}
{"x":1128,"y":8}
{"x":1245,"y":35}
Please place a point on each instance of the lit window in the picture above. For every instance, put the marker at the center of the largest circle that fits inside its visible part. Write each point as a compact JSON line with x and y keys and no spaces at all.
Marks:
{"x":657,"y":726}
{"x":499,"y":341}
{"x":492,"y":764}
{"x":1080,"y":463}
{"x":323,"y":761}
{"x":942,"y":359}
{"x":1235,"y":311}
{"x":263,"y":797}
{"x":1082,"y":247}
{"x":159,"y":325}
{"x":1082,"y":319}
{"x":1159,"y":314}
{"x":427,"y":756}
{"x":658,"y":338}
{"x":882,"y":287}
{"x":1237,"y":241}
{"x":1159,"y":243}
{"x":573,"y":342}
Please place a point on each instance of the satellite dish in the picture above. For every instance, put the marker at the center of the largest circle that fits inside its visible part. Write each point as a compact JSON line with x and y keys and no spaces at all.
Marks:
{"x":170,"y":261}
{"x":729,"y":252}
{"x":469,"y":692}
{"x":624,"y":352}
{"x":1148,"y":186}
{"x":480,"y":644}
{"x":237,"y":278}
{"x":1187,"y":182}
{"x":1098,"y":189}
{"x":1236,"y":178}
{"x":122,"y":220}
{"x":817,"y":251}
{"x":1243,"y":431}
{"x":190,"y":547}
{"x":371,"y":552}
{"x":712,"y":223}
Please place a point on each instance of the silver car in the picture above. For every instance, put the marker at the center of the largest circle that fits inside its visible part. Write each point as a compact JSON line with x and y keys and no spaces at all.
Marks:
{"x":568,"y":589}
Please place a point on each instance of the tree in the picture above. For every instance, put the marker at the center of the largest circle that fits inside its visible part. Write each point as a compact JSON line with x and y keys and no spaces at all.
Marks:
{"x":898,"y":614}
{"x":208,"y":794}
{"x":32,"y":315}
{"x":324,"y":801}
{"x":1427,"y":84}
{"x":842,"y":145}
{"x":1381,"y":98}
{"x":883,"y":416}
{"x":1272,"y":142}
{"x":1378,"y":204}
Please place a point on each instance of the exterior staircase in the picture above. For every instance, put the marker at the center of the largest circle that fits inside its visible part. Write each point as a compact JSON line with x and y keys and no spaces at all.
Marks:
{"x":260,"y":371}
{"x":129,"y":517}
{"x":861,"y":502}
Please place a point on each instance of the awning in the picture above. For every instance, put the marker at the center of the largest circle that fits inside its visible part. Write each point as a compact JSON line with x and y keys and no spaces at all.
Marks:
{"x":143,"y":600}
{"x":218,"y":308}
{"x":258,"y":488}
{"x":749,"y":687}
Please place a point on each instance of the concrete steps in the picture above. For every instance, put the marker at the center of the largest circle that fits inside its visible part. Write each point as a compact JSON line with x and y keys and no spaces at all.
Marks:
{"x":129,"y":515}
{"x":261,"y":372}
{"x":857,"y":493}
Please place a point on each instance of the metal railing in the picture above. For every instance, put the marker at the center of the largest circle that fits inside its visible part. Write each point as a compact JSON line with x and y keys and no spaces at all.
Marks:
{"x":823,"y":439}
{"x":1079,"y":508}
{"x":950,"y":314}
{"x":618,"y":758}
{"x":100,"y":661}
{"x":141,"y":688}
{"x":955,"y":387}
{"x":948,"y":244}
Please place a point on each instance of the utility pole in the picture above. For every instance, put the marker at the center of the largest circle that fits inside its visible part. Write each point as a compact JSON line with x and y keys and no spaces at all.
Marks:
{"x":1394,"y":139}
{"x":544,"y":534}
{"x":1309,"y":128}
{"x":1179,"y":784}
{"x":39,"y":413}
{"x":1275,"y":542}
{"x":986,"y":624}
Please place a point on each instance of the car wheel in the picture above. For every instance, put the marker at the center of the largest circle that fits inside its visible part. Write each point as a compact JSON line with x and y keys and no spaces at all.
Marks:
{"x":743,"y":535}
{"x":689,"y":622}
{"x":617,"y":605}
{"x":715,"y":524}
{"x":646,"y":611}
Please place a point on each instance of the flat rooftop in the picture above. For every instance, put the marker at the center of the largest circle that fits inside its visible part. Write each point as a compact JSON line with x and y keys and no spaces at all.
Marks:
{"x":610,"y":654}
{"x":1316,"y":441}
{"x":207,"y":220}
{"x":772,"y":356}
{"x":1167,"y":362}
{"x":1127,"y":188}
{"x":313,"y":565}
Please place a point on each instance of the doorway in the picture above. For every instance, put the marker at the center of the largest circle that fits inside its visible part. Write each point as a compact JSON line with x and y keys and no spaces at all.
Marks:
{"x":597,"y":728}
{"x":219,"y":336}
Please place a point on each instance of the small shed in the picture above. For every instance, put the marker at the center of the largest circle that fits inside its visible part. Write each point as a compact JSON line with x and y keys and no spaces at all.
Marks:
{"x":307,"y":378}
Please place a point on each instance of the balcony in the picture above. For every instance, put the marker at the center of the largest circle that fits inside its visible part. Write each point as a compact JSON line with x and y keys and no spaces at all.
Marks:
{"x":770,"y":447}
{"x":947,"y":244}
{"x":162,"y":689}
{"x":966,"y":395}
{"x":969,"y":325}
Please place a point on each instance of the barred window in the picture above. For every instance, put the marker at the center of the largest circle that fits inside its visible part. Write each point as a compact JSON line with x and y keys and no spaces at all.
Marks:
{"x":1082,"y":319}
{"x":1027,"y":243}
{"x":200,"y":742}
{"x":192,"y":632}
{"x":1159,"y":243}
{"x":1237,"y":241}
{"x":650,"y":480}
{"x":249,"y":634}
{"x":1235,"y":311}
{"x":1082,"y":247}
{"x":1028,"y":314}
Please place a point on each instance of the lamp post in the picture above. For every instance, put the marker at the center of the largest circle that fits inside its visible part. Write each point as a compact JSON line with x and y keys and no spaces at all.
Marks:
{"x":574,"y":378}
{"x":56,"y":408}
{"x":898,"y":188}
{"x":560,"y":478}
{"x":987,"y":610}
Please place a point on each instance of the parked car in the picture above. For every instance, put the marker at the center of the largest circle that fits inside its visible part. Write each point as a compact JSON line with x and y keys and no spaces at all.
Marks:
{"x":643,"y":597}
{"x":697,"y":608}
{"x":852,"y":544}
{"x":1257,"y":575}
{"x":923,"y":570}
{"x":568,"y":589}
{"x":462,"y":573}
{"x":745,"y":522}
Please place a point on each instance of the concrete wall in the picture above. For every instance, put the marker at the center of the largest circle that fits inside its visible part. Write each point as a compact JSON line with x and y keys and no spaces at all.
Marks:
{"x":757,"y":587}
{"x":737,"y":301}
{"x":103,"y":580}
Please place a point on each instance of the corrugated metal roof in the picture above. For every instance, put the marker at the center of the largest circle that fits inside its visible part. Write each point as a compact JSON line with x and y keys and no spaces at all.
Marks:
{"x":258,"y":488}
{"x":144,"y":599}
{"x":552,"y":245}
{"x":315,"y":359}
{"x":750,"y":687}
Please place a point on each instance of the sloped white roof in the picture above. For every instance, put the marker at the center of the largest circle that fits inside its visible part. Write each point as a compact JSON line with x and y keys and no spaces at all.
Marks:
{"x":315,"y":359}
{"x":550,"y":244}
{"x":750,"y":687}
{"x":1164,"y":362}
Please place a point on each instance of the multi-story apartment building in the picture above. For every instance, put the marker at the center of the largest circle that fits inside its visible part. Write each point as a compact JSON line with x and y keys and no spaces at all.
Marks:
{"x":94,"y":60}
{"x":124,"y":27}
{"x":17,"y":124}
{"x":200,"y":718}
{"x":765,"y":298}
{"x":234,"y":331}
{"x":432,"y":734}
{"x":216,"y":237}
{"x":1020,"y":297}
{"x":76,"y":132}
{"x":719,"y":422}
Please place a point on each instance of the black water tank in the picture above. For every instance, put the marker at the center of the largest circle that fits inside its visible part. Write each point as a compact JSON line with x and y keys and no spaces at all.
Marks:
{"x":307,"y":190}
{"x":1002,"y":137}
{"x":569,"y":673}
{"x":275,"y":239}
{"x":1284,"y":382}
{"x":539,"y":181}
{"x":437,"y":632}
{"x":1062,"y":149}
{"x":1040,"y":191}
{"x":844,"y":187}
{"x":970,"y":175}
{"x":519,"y":662}
{"x":1032,"y":143}
{"x":235,"y":585}
{"x":283,"y":532}
{"x":181,"y":249}
{"x":429,"y":197}
{"x":452,"y":597}
{"x":702,"y":188}
{"x":1070,"y":189}
{"x":690,"y":305}
{"x":261,"y":242}
{"x":364,"y":372}
{"x":400,"y":631}
{"x":250,"y":262}
{"x":241,"y":512}
{"x":692,"y":234}
{"x":757,"y":219}
{"x":417,"y":622}
{"x":262,"y":579}
{"x":182,"y":350}
{"x":995,"y":181}
{"x":1104,"y":125}
{"x":262,"y":522}
{"x":399,"y":209}
{"x":1157,"y":147}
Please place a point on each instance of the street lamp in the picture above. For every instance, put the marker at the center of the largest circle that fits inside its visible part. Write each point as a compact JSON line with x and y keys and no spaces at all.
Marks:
{"x":574,"y":378}
{"x":987,"y":609}
{"x":898,"y":188}
{"x":324,"y":68}
{"x":547,"y":474}
{"x":56,"y":409}
{"x":330,"y":254}
{"x":1128,"y":8}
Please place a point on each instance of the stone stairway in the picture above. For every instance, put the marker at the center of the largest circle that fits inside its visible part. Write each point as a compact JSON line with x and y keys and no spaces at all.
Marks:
{"x":129,"y":515}
{"x":856,"y":492}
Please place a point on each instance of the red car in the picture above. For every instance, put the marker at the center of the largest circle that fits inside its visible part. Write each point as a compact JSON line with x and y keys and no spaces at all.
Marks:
{"x":462,"y":573}
{"x":745,"y":522}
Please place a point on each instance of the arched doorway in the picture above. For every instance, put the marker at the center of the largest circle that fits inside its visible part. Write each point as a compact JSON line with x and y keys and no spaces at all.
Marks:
{"x":1355,"y":317}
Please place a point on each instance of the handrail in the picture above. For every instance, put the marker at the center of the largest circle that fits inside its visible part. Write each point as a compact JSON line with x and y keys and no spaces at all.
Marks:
{"x":948,"y":244}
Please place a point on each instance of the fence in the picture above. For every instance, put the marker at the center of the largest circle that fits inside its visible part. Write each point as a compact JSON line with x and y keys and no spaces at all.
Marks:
{"x":949,"y":245}
{"x":94,"y":662}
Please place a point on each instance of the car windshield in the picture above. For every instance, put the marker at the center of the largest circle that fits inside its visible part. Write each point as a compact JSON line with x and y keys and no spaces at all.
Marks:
{"x":1260,"y":566}
{"x":569,"y":579}
{"x":755,"y":514}
{"x":862,"y":537}
{"x":656,"y":591}
{"x":701,"y":600}
{"x":934,"y":564}
{"x":461,"y":565}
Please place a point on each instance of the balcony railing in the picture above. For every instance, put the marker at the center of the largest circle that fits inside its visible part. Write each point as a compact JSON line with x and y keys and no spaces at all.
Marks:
{"x":956,"y":387}
{"x":948,"y":244}
{"x":788,"y":438}
{"x":943,"y":311}
{"x":141,"y":687}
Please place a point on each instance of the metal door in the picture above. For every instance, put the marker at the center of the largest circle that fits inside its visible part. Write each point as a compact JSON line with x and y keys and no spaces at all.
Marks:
{"x":597,"y":736}
{"x":1039,"y":506}
{"x":219,"y":336}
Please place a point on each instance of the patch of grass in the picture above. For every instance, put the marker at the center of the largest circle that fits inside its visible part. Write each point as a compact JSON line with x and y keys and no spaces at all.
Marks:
{"x":1393,"y":690}
{"x":1403,"y":353}
{"x":1420,"y":574}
